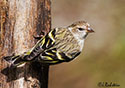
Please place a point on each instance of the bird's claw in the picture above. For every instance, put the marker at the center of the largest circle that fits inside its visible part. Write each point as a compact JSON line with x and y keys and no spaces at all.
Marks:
{"x":38,"y":36}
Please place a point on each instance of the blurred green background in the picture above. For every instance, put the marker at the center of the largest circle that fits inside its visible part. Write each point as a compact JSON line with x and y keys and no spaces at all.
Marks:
{"x":103,"y":57}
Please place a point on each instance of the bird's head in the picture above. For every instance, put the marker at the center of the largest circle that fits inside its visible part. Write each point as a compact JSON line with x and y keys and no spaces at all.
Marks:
{"x":80,"y":29}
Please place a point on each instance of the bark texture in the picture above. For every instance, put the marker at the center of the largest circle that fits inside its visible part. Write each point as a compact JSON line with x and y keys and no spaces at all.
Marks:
{"x":19,"y":21}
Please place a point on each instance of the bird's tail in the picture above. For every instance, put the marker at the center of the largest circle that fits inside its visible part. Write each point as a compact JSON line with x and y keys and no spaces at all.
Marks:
{"x":16,"y":61}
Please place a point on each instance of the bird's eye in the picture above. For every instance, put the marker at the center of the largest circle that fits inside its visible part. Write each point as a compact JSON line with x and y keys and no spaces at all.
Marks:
{"x":81,"y":29}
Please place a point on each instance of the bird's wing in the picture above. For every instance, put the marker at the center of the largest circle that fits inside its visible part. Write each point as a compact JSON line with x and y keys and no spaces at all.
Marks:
{"x":63,"y":48}
{"x":53,"y":56}
{"x":43,"y":44}
{"x":57,"y":45}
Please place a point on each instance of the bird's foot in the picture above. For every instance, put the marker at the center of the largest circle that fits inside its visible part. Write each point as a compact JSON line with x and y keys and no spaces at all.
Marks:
{"x":38,"y":36}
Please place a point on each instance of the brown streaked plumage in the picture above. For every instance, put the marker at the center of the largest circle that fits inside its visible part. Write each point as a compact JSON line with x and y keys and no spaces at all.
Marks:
{"x":79,"y":23}
{"x":59,"y":45}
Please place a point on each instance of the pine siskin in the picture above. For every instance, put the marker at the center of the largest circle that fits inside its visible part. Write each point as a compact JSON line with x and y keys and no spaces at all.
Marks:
{"x":59,"y":45}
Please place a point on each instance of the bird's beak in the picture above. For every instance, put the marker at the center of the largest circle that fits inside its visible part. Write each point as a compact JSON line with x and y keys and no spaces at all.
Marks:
{"x":90,"y":30}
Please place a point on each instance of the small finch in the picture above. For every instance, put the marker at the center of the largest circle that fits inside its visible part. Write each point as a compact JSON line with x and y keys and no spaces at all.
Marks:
{"x":59,"y":45}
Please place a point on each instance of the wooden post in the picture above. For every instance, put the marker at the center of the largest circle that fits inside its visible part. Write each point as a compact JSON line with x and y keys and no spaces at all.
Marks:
{"x":19,"y":21}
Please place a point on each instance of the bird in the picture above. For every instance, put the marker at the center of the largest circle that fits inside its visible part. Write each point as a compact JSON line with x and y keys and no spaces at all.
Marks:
{"x":57,"y":46}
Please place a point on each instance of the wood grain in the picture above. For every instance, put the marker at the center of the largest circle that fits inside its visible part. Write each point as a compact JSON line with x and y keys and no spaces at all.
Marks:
{"x":19,"y":21}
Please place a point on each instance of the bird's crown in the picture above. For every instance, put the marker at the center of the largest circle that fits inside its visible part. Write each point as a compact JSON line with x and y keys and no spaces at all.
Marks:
{"x":79,"y":23}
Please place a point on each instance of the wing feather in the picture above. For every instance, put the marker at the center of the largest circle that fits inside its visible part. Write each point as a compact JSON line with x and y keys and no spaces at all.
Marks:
{"x":58,"y":45}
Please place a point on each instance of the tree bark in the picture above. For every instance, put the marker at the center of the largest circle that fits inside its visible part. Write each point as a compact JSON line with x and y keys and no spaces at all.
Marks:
{"x":19,"y":21}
